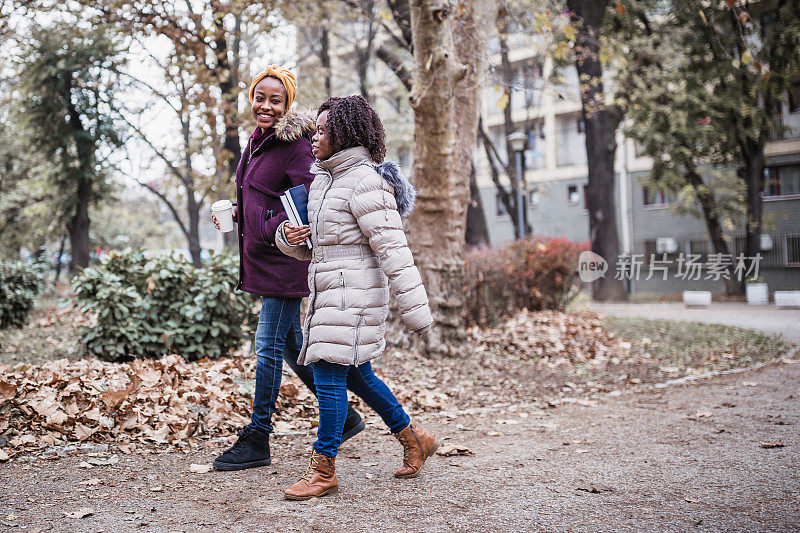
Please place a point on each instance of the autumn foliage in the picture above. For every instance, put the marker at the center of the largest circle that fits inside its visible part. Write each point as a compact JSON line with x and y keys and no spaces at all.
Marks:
{"x":535,"y":274}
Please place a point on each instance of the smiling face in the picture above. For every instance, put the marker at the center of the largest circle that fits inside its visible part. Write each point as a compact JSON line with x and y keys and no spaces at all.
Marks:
{"x":269,"y":102}
{"x":321,"y":142}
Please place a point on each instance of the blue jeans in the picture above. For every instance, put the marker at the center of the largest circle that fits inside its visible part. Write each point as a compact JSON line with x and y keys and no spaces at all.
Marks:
{"x":279,"y":338}
{"x":332,"y":382}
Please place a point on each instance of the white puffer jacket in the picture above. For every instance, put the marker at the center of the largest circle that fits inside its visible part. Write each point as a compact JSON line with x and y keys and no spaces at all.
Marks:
{"x":358,"y":242}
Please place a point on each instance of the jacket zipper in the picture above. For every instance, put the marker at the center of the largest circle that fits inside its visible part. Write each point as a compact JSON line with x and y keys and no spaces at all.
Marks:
{"x":355,"y":343}
{"x":343,"y":288}
{"x":316,"y":221}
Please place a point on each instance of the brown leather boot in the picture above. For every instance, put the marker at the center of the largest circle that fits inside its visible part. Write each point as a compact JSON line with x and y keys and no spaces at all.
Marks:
{"x":418,"y":445}
{"x":319,"y":479}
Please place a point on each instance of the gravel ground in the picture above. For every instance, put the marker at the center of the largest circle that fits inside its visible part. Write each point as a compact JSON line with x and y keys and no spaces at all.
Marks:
{"x":684,"y":457}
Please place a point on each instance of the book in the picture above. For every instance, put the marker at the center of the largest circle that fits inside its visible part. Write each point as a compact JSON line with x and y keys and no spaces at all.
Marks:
{"x":295,"y":203}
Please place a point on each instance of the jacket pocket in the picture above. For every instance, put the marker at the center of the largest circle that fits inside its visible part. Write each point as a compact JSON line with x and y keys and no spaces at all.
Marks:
{"x":260,"y":188}
{"x":261,"y":204}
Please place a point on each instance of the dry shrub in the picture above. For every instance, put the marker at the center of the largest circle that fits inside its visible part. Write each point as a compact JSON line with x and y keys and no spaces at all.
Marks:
{"x":535,"y":274}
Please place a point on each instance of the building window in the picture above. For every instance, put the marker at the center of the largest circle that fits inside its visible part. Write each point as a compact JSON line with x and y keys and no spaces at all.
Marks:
{"x":698,"y":248}
{"x":533,"y":198}
{"x":792,"y":247}
{"x":654,"y":197}
{"x":573,"y":196}
{"x":772,"y":258}
{"x":777,"y":132}
{"x":500,"y":208}
{"x":581,"y":126}
{"x":653,"y":255}
{"x":794,"y":98}
{"x":782,"y":181}
{"x":586,"y":197}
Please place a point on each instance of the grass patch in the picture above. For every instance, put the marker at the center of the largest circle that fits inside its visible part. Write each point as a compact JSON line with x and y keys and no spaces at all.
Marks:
{"x":688,"y":344}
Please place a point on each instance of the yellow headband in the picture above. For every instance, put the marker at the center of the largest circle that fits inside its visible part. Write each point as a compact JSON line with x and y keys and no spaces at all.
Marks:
{"x":284,"y":75}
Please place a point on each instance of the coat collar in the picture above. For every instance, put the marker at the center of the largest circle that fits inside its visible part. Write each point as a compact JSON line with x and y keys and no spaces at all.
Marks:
{"x":290,"y":127}
{"x":341,"y":162}
{"x":293,"y":125}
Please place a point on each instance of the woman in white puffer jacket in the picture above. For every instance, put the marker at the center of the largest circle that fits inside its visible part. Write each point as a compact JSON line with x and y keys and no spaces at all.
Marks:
{"x":359,"y":250}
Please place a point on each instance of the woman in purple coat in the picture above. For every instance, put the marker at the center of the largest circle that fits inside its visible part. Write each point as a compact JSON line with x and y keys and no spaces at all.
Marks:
{"x":277,"y":157}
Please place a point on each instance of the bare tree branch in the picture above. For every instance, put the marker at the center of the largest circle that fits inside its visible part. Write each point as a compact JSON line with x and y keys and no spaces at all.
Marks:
{"x":161,"y":196}
{"x":396,"y":64}
{"x":156,"y":151}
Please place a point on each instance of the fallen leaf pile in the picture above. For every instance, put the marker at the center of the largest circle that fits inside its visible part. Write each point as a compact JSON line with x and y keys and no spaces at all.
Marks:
{"x":543,"y":357}
{"x":157,"y":401}
{"x":558,"y":338}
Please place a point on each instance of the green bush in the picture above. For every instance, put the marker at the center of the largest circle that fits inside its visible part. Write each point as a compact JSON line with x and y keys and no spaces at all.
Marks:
{"x":533,"y":274}
{"x":20,"y":283}
{"x":150,"y":307}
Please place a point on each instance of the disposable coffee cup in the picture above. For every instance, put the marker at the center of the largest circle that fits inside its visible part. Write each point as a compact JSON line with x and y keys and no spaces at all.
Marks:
{"x":223,"y":210}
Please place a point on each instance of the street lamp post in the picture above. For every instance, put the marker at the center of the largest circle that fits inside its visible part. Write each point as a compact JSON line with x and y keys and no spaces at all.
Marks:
{"x":517,"y":141}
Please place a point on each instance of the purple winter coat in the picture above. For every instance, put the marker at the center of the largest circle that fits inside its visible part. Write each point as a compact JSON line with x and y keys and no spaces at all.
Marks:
{"x":282,"y":159}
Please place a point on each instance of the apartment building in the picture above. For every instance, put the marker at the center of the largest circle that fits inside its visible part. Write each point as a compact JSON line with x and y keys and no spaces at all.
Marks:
{"x":555,"y":176}
{"x":556,"y":172}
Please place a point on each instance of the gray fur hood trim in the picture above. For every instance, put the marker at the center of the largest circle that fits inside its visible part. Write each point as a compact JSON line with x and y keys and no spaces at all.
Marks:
{"x":404,"y":192}
{"x":294,"y":124}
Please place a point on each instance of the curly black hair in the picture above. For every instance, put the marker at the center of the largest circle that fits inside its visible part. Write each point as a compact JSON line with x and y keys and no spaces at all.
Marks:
{"x":353,"y":122}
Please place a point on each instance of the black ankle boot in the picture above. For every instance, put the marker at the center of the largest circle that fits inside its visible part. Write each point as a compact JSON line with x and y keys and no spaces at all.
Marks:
{"x":353,"y":425}
{"x":251,"y":450}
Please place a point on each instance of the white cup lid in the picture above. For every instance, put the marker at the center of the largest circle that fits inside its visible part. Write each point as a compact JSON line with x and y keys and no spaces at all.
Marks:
{"x":221,"y":205}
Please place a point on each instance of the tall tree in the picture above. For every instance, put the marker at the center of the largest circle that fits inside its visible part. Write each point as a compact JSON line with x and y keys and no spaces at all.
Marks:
{"x":209,"y":36}
{"x":512,"y":17}
{"x":66,"y":85}
{"x":27,"y":202}
{"x":744,"y":63}
{"x":448,"y":75}
{"x":185,"y":100}
{"x":601,"y":121}
{"x":708,"y":99}
{"x":392,"y":46}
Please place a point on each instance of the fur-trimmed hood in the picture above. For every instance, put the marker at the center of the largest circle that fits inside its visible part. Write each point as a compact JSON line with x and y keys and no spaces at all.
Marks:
{"x":294,"y":124}
{"x":404,"y":192}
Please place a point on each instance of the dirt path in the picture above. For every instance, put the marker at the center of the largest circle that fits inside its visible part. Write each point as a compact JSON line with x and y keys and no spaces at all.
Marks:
{"x":681,"y":458}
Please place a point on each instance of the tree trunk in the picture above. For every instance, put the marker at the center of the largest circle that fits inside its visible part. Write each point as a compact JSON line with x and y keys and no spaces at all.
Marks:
{"x":79,"y":227}
{"x":325,"y":61}
{"x":59,"y":257}
{"x":753,"y":175}
{"x":493,"y":160}
{"x":192,"y":205}
{"x":708,"y":204}
{"x":508,"y":128}
{"x":226,"y":75}
{"x":194,"y":227}
{"x":477,"y":232}
{"x":601,"y":125}
{"x":445,"y":125}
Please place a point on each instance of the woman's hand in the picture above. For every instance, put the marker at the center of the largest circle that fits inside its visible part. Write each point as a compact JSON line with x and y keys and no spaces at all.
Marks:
{"x":235,"y":213}
{"x":296,"y":235}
